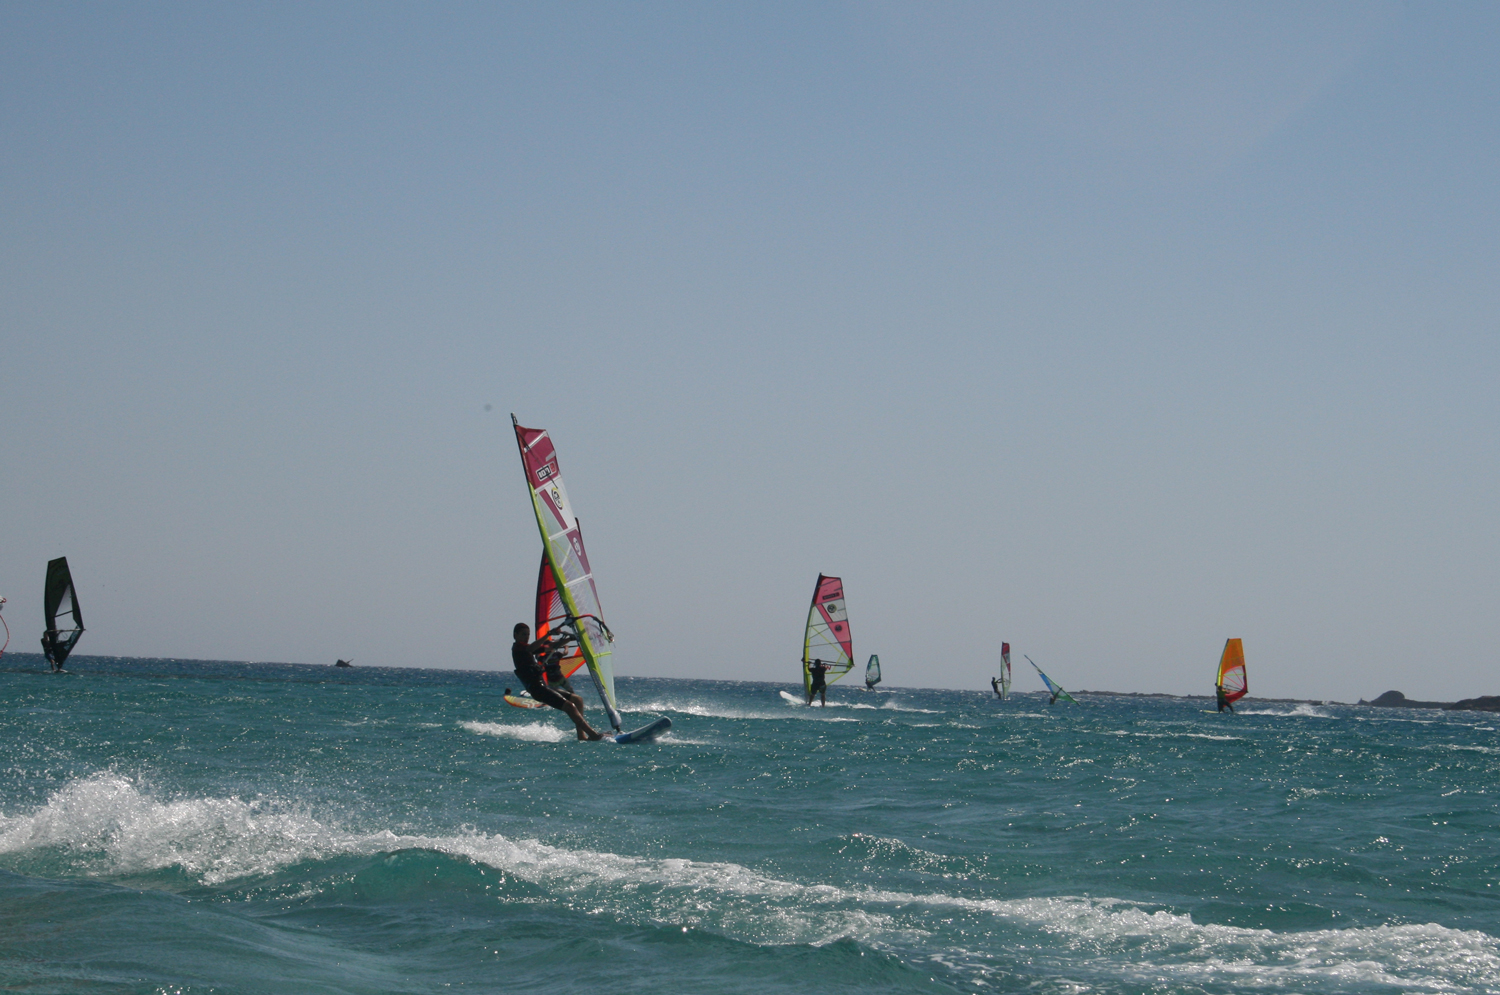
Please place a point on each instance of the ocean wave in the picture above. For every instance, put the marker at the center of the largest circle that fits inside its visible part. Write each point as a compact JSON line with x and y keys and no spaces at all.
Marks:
{"x":534,"y":732}
{"x":1173,"y":735}
{"x":1301,"y":711}
{"x":111,"y":826}
{"x":734,"y":714}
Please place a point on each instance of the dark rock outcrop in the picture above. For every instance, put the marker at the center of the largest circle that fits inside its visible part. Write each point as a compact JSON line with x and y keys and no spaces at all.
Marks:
{"x":1395,"y":699}
{"x":1484,"y":703}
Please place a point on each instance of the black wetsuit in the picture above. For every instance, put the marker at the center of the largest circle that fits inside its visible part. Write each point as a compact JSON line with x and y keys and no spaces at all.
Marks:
{"x":1223,"y":701}
{"x":817,"y":669}
{"x":532,"y":674}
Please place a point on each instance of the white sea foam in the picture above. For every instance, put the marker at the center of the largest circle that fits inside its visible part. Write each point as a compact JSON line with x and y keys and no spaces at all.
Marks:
{"x":705,"y":712}
{"x":892,"y":706}
{"x":1174,"y":735}
{"x":111,"y":826}
{"x":1301,"y":711}
{"x":534,"y":732}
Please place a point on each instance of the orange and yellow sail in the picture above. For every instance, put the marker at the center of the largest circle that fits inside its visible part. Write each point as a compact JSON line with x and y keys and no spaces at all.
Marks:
{"x":1231,"y":682}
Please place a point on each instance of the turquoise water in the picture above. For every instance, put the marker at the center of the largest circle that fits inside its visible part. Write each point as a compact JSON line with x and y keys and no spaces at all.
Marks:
{"x":193,"y":827}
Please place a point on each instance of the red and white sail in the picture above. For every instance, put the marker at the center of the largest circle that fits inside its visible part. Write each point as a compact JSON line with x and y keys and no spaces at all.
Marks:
{"x":562,"y":542}
{"x":827,"y":637}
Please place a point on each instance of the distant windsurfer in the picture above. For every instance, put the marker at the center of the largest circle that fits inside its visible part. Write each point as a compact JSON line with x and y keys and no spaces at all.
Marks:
{"x":818,"y":685}
{"x":527,"y":657}
{"x":995,"y":686}
{"x":1223,"y":701}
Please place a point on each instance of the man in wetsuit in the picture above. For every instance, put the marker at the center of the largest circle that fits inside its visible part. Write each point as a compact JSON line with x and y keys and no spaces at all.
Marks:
{"x":526,"y":657}
{"x":818,"y":670}
{"x":1223,"y":701}
{"x":995,"y":686}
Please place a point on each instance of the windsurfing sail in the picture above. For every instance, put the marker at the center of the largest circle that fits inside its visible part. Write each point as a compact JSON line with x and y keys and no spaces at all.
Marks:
{"x":827,"y":637}
{"x":7,"y":629}
{"x":552,"y":613}
{"x":1004,"y":671}
{"x":872,"y":671}
{"x":60,"y":604}
{"x":1058,"y":694}
{"x":562,"y":543}
{"x":1232,"y":683}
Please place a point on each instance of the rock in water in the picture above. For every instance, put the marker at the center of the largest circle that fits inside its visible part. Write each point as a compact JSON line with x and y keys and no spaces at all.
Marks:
{"x":1395,"y":699}
{"x":1484,"y":703}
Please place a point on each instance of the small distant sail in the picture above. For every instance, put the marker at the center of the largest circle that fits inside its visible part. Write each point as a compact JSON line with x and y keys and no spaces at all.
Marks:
{"x":1232,"y":684}
{"x":60,"y":603}
{"x":1058,"y":694}
{"x":563,"y":543}
{"x":1004,"y":671}
{"x":7,"y":630}
{"x":827,"y":637}
{"x":872,"y":671}
{"x":551,"y":613}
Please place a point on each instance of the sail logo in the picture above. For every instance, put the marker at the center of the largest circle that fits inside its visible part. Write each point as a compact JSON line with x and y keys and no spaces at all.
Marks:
{"x":544,"y":471}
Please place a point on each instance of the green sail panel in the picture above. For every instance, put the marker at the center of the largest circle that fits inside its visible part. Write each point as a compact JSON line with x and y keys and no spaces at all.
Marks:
{"x":1058,"y":694}
{"x":563,"y":542}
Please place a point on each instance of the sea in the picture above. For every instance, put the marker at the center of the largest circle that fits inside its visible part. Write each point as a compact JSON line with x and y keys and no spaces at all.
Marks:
{"x":182,"y":827}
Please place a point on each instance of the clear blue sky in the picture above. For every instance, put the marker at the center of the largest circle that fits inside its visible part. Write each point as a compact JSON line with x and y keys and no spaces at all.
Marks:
{"x":1109,"y":330}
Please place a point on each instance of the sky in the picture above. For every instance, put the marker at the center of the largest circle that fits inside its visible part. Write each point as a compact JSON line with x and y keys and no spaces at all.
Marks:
{"x":1108,"y":330}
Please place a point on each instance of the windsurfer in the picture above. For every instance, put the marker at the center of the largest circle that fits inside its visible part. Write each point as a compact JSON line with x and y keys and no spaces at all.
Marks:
{"x":526,"y":656}
{"x":818,"y":671}
{"x":1223,"y":701}
{"x":49,"y":649}
{"x":995,"y":686}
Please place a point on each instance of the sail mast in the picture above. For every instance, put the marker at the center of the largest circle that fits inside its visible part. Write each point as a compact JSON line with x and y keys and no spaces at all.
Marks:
{"x":563,"y":542}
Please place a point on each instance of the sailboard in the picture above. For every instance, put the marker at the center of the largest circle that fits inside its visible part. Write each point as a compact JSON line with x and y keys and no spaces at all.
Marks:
{"x":562,"y":544}
{"x":872,"y":671}
{"x":60,"y":603}
{"x":1004,"y":671}
{"x":521,"y":699}
{"x":1058,"y":694}
{"x":1231,"y":684}
{"x":827,"y":637}
{"x":645,"y":733}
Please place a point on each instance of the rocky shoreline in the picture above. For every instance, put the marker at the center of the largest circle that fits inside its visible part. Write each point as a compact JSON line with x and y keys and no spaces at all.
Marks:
{"x":1395,"y":699}
{"x":1205,"y":697}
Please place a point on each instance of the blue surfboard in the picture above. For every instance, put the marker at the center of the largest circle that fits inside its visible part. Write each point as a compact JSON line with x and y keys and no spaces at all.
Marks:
{"x":645,"y":733}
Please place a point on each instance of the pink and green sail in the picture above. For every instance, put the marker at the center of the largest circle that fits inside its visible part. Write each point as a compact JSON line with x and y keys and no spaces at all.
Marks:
{"x":562,"y":543}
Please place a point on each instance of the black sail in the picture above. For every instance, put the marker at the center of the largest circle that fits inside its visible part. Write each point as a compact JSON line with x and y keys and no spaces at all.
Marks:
{"x":60,"y":602}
